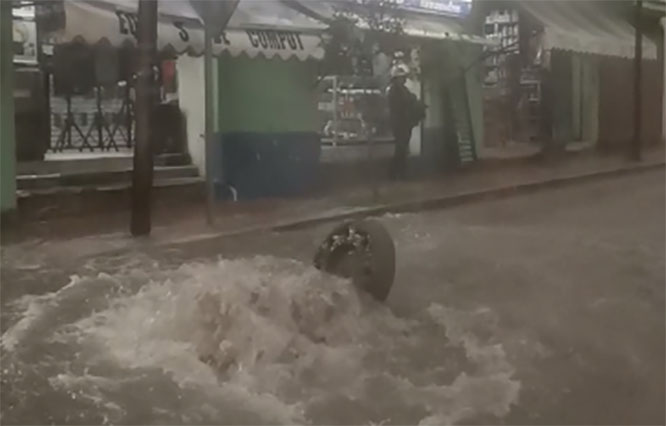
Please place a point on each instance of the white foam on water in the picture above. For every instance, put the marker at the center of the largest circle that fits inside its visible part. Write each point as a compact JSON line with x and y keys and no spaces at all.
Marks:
{"x":280,"y":340}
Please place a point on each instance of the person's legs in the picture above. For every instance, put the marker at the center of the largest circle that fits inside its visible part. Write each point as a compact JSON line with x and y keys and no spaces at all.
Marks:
{"x":399,"y":163}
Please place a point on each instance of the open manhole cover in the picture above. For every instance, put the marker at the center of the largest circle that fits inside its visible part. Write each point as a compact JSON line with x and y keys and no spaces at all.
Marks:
{"x":362,"y":251}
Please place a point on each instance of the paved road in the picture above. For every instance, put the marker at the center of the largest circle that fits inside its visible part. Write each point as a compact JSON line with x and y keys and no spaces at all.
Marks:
{"x":539,"y":309}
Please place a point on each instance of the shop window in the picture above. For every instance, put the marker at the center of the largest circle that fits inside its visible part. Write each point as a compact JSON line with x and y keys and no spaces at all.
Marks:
{"x":353,"y":109}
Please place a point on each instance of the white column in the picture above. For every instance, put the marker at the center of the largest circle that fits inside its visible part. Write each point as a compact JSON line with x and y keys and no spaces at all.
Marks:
{"x":190,"y":71}
{"x":663,"y":95}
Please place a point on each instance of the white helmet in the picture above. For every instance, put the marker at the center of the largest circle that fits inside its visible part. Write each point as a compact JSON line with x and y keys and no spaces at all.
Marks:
{"x":399,"y":70}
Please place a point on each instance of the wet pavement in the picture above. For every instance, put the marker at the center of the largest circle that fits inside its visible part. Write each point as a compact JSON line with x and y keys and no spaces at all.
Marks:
{"x":540,"y":309}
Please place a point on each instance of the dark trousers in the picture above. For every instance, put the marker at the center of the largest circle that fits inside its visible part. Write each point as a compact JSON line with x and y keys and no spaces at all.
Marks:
{"x":398,"y":167}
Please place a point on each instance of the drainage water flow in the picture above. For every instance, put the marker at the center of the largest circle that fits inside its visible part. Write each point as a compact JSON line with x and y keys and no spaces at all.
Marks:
{"x":249,"y":341}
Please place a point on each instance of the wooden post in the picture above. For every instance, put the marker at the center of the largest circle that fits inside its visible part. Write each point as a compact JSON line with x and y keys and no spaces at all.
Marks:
{"x":142,"y":175}
{"x":635,"y":151}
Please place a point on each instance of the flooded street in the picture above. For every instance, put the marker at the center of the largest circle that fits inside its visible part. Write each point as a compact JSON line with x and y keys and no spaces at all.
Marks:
{"x":534,"y":309}
{"x":292,"y":346}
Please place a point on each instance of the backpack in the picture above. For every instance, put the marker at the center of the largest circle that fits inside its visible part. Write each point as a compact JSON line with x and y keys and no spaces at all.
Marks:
{"x":417,"y":110}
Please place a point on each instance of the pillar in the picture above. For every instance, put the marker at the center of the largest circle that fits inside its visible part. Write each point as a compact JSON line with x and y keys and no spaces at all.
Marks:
{"x":663,"y":68}
{"x":7,"y":140}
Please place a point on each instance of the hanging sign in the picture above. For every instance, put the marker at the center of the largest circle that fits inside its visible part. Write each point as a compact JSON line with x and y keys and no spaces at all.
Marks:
{"x":456,"y":8}
{"x":24,"y":41}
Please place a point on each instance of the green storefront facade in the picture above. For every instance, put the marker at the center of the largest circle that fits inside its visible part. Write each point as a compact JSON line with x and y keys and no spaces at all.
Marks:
{"x":7,"y":139}
{"x":267,"y":143}
{"x":266,"y":95}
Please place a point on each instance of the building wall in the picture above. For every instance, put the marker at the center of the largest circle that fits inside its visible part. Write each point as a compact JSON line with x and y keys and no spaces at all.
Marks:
{"x":616,"y":97}
{"x":191,"y":101}
{"x":576,"y":103}
{"x":267,"y":96}
{"x":7,"y":141}
{"x":585,"y":97}
{"x":268,"y":142}
{"x":561,"y":80}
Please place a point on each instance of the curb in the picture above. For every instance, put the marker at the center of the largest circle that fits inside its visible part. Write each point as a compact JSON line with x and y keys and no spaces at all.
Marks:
{"x":433,"y":203}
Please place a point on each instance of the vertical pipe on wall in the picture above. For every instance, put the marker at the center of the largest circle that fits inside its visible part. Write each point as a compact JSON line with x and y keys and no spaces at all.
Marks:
{"x":662,"y":21}
{"x":635,"y":152}
{"x":208,"y":123}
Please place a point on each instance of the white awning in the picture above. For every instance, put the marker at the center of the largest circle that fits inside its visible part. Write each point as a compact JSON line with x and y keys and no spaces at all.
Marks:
{"x":586,"y":27}
{"x":263,"y":27}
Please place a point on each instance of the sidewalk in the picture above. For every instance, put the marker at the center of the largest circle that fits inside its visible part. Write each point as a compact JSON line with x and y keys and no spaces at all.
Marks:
{"x":99,"y":233}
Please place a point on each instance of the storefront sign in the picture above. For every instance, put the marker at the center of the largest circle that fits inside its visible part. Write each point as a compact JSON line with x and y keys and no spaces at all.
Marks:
{"x":273,"y":39}
{"x":457,"y":8}
{"x":91,"y":23}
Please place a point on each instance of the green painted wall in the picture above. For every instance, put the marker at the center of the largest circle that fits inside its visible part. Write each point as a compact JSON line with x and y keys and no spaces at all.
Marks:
{"x":7,"y":145}
{"x":261,"y":95}
{"x":562,"y":102}
{"x":474,"y":81}
{"x":576,"y":97}
{"x":590,"y":99}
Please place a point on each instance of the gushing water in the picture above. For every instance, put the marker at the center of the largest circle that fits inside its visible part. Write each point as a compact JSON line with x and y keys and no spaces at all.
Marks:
{"x":250,"y":341}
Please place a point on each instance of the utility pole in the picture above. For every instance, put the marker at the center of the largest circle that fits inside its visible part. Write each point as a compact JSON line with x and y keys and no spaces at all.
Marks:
{"x":215,"y":16}
{"x":142,"y":174}
{"x":208,"y":123}
{"x":635,"y":151}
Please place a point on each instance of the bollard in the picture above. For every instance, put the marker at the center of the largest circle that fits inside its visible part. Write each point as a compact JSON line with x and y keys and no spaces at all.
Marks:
{"x":362,"y":251}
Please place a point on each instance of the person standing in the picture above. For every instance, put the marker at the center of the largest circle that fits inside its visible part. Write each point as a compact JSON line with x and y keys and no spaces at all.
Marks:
{"x":405,"y":112}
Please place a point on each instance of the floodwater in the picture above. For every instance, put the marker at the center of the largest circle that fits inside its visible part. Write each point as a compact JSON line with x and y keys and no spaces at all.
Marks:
{"x":257,"y":340}
{"x":541,"y":309}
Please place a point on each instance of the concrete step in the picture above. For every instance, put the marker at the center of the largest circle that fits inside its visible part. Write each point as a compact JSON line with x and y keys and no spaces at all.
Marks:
{"x":73,"y":163}
{"x":110,"y":187}
{"x":98,"y":178}
{"x":62,"y":201}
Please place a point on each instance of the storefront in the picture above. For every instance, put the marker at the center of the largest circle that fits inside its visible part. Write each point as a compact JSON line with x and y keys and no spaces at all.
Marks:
{"x":445,"y":74}
{"x":265,"y":85}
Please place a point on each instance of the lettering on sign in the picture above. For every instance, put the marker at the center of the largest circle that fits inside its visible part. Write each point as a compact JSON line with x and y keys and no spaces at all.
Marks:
{"x":182,"y":31}
{"x":275,"y":39}
{"x":260,"y":39}
{"x":221,"y":38}
{"x":127,"y":23}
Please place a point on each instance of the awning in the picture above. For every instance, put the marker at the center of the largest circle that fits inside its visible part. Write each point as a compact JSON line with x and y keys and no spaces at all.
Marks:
{"x":586,"y":27}
{"x":419,"y":25}
{"x":258,"y":27}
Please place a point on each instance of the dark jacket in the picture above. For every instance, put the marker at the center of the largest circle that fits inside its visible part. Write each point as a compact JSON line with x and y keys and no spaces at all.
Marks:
{"x":404,"y":108}
{"x":398,"y":103}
